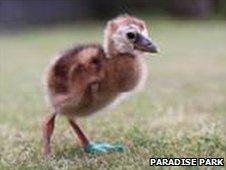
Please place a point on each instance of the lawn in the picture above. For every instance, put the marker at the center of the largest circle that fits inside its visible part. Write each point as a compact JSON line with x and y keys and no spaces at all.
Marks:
{"x":180,"y":113}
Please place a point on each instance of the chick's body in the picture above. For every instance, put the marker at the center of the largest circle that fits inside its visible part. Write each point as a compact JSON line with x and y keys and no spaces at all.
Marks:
{"x":83,"y":79}
{"x":87,"y":78}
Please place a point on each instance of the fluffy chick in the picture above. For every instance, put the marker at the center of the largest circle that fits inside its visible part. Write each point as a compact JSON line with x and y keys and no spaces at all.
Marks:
{"x":87,"y":78}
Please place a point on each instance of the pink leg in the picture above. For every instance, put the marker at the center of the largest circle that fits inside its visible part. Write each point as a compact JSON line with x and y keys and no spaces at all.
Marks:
{"x":82,"y":137}
{"x":47,"y":130}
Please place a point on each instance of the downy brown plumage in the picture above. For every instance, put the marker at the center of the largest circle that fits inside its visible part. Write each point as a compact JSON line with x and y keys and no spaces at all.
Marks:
{"x":87,"y":78}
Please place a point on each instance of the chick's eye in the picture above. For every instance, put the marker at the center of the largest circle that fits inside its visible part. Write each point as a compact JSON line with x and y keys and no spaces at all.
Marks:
{"x":131,"y":35}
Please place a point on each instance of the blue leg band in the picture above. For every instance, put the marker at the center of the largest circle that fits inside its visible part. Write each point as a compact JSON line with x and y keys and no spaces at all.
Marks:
{"x":93,"y":148}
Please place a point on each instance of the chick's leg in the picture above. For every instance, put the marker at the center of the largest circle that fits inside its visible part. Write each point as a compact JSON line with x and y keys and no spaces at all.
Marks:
{"x":92,"y":147}
{"x":47,"y":130}
{"x":77,"y":130}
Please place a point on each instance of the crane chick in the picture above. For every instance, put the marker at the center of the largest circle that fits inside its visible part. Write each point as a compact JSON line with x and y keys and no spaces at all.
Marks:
{"x":87,"y":78}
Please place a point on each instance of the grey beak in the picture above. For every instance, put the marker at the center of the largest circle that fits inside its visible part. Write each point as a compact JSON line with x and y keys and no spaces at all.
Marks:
{"x":144,"y":44}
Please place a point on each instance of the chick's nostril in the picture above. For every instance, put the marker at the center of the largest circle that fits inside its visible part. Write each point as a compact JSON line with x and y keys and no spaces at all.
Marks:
{"x":149,"y":43}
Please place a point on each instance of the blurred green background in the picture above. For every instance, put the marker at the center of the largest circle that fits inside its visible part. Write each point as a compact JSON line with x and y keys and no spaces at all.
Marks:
{"x":180,"y":113}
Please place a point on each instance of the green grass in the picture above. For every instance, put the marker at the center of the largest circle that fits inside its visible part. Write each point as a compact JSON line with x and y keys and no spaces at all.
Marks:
{"x":180,"y":113}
